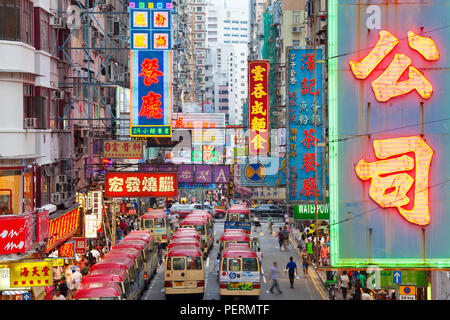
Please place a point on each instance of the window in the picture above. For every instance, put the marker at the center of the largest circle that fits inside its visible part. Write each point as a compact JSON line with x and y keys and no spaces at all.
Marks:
{"x":235,"y":35}
{"x":296,"y":43}
{"x":235,"y":21}
{"x":224,"y":261}
{"x":227,"y":41}
{"x":27,"y":18}
{"x":45,"y":29}
{"x":10,"y":182}
{"x":178,"y":263}
{"x":226,"y":34}
{"x":169,"y":263}
{"x":234,"y":28}
{"x":245,"y":29}
{"x":226,"y":21}
{"x":199,"y":18}
{"x":10,"y":20}
{"x":296,"y":17}
{"x":194,"y":263}
{"x":226,"y":28}
{"x":244,"y":22}
{"x":234,"y":264}
{"x":243,"y":35}
{"x":199,"y":9}
{"x":250,"y":264}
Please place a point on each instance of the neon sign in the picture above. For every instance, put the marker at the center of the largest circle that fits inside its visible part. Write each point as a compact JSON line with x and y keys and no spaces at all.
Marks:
{"x":387,"y":85}
{"x":390,"y":189}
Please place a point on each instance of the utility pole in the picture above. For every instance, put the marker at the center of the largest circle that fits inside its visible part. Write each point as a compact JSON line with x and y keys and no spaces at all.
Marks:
{"x":113,"y":222}
{"x":315,"y":124}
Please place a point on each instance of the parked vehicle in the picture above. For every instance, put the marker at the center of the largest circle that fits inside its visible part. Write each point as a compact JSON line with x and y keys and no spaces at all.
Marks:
{"x":238,"y":217}
{"x":181,"y":209}
{"x":157,"y":223}
{"x":268,"y":209}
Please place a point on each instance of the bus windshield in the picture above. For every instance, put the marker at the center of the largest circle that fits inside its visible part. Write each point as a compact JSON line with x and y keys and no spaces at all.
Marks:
{"x":234,"y":264}
{"x":193,"y":263}
{"x":250,"y":264}
{"x":148,"y":223}
{"x":159,"y":223}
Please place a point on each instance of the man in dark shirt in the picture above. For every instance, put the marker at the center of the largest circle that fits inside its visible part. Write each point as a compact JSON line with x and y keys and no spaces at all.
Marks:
{"x":291,"y":268}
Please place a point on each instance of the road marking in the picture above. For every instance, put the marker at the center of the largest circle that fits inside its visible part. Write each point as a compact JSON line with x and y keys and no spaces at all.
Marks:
{"x":207,"y":262}
{"x":264,"y":279}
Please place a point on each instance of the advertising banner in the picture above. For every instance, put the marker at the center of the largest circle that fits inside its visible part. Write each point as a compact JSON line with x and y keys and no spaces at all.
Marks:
{"x":268,"y":193}
{"x":90,"y":226}
{"x":304,"y":132}
{"x":151,"y":94}
{"x":31,"y":274}
{"x":119,"y":149}
{"x":15,"y":234}
{"x":258,"y":98}
{"x":203,"y":174}
{"x":308,"y":211}
{"x":221,"y":174}
{"x":62,"y":228}
{"x":140,"y":184}
{"x":80,"y":245}
{"x":388,"y":142}
{"x":185,"y":173}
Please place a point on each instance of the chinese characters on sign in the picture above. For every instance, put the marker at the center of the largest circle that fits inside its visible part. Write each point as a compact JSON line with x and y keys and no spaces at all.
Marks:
{"x":390,"y":190}
{"x":151,"y":101}
{"x":150,"y":29}
{"x":305,"y":126}
{"x":258,"y":97}
{"x":62,"y":228}
{"x":30,"y":274}
{"x":138,"y":184}
{"x":122,"y":149}
{"x":387,"y":85}
{"x":67,"y":250}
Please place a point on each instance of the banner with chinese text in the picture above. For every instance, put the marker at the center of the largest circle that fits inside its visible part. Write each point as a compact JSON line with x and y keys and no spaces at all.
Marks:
{"x":140,"y":184}
{"x":62,"y":228}
{"x":150,"y":29}
{"x":305,"y":131}
{"x":389,"y":143}
{"x":151,"y":93}
{"x":120,"y":149}
{"x":31,"y":274}
{"x":258,"y":97}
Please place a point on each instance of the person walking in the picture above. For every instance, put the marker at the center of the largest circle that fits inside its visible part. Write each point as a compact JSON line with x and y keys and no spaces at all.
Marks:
{"x":291,"y":269}
{"x":310,"y":251}
{"x":280,"y":238}
{"x":76,"y":280}
{"x":269,"y":221}
{"x":274,"y":275}
{"x":260,"y":256}
{"x":306,"y":262}
{"x":58,"y":295}
{"x":285,"y":233}
{"x":358,"y":290}
{"x":362,"y":277}
{"x":344,"y":281}
{"x":323,"y":254}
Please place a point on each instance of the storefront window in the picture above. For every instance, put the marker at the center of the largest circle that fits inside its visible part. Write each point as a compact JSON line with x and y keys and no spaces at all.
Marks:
{"x":10,"y":186}
{"x":28,"y":191}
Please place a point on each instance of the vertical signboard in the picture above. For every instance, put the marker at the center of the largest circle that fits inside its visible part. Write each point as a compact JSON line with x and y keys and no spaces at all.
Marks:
{"x":304,"y":132}
{"x":258,"y":110}
{"x":388,"y":133}
{"x":151,"y":94}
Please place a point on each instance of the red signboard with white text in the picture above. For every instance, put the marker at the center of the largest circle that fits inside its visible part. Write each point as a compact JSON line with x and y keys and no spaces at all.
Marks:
{"x":15,"y":234}
{"x":140,"y":184}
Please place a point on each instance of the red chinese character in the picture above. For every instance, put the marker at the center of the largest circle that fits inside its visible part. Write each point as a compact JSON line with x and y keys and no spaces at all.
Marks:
{"x":125,"y":146}
{"x":35,"y":272}
{"x":136,"y":146}
{"x":115,"y":147}
{"x":179,"y":123}
{"x":304,"y":86}
{"x":150,"y":106}
{"x":150,"y":71}
{"x":160,"y":19}
{"x":309,"y":162}
{"x":24,"y":272}
{"x":309,"y":139}
{"x":311,"y":86}
{"x":310,"y":188}
{"x":107,"y":147}
{"x":310,"y":62}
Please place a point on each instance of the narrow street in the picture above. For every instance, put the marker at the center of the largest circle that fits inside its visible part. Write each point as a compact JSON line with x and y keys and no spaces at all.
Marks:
{"x":305,"y":288}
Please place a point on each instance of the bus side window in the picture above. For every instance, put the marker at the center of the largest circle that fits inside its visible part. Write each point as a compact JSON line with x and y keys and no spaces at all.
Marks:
{"x":169,"y":264}
{"x":224,"y":264}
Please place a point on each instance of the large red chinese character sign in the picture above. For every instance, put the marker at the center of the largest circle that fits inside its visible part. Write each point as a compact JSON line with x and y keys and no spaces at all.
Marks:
{"x":258,"y":93}
{"x":389,"y":180}
{"x":138,"y":184}
{"x":387,"y":85}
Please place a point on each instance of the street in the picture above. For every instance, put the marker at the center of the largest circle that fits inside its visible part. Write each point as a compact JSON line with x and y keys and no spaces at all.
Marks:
{"x":304,"y":288}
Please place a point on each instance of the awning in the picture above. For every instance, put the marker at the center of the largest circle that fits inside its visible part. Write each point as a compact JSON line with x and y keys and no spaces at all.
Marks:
{"x":242,"y":190}
{"x":13,"y":292}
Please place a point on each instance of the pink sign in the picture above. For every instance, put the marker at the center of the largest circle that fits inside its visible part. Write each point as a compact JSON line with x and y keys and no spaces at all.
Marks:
{"x":15,"y":234}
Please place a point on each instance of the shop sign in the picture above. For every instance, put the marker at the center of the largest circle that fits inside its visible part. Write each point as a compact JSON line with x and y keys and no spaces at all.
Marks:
{"x":15,"y":234}
{"x":80,"y":245}
{"x":388,"y":157}
{"x":203,"y":174}
{"x":62,"y":228}
{"x":304,"y":132}
{"x":90,"y":226}
{"x":268,"y":193}
{"x":140,"y":184}
{"x":148,"y":167}
{"x":388,"y":279}
{"x":258,"y":97}
{"x":308,"y":211}
{"x":97,"y":207}
{"x":67,"y":250}
{"x":31,"y":274}
{"x":120,"y":149}
{"x":150,"y":28}
{"x":185,"y":173}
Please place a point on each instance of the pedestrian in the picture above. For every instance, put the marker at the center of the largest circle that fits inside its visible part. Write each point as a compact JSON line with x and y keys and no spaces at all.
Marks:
{"x":96,"y":254}
{"x":104,"y":250}
{"x":301,"y":243}
{"x":58,"y":295}
{"x":76,"y":280}
{"x":291,"y":269}
{"x":358,"y":290}
{"x":280,"y":238}
{"x":62,"y":286}
{"x":350,"y":277}
{"x":68,"y":276}
{"x":269,"y":222}
{"x":285,"y":233}
{"x":57,"y":273}
{"x":260,"y":256}
{"x":274,"y":274}
{"x":323,"y":254}
{"x":344,"y":280}
{"x":310,"y":251}
{"x":366,"y":294}
{"x":306,"y":262}
{"x":160,"y":249}
{"x":362,"y":277}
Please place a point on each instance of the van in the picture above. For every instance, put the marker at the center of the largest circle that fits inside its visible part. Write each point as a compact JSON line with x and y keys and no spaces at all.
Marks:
{"x":239,"y":273}
{"x":157,"y":222}
{"x":184,"y":271}
{"x":202,"y":226}
{"x":238,"y":217}
{"x":232,"y":237}
{"x":117,"y":274}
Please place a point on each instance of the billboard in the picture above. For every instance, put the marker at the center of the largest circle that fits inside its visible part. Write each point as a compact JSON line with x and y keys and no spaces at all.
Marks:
{"x":389,"y":146}
{"x":120,"y":149}
{"x":140,"y":184}
{"x":150,"y":29}
{"x":151,"y":93}
{"x":258,"y":111}
{"x":304,"y":134}
{"x":62,"y":228}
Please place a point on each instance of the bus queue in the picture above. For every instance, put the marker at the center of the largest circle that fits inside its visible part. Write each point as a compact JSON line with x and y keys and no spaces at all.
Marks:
{"x":125,"y":272}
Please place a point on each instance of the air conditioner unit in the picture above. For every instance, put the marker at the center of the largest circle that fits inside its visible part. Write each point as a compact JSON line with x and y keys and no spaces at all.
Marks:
{"x":29,"y":123}
{"x":56,"y":198}
{"x":60,"y":179}
{"x":295,"y":29}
